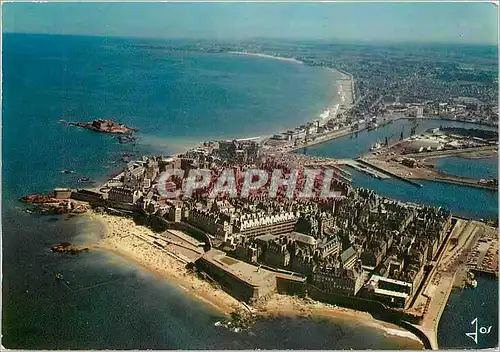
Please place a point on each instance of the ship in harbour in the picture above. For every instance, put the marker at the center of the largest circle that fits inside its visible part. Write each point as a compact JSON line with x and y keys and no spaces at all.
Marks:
{"x":376,"y":146}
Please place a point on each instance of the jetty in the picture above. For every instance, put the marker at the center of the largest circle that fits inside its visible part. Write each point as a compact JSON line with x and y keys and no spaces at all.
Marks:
{"x":313,"y":161}
{"x":388,"y":172}
{"x":358,"y":165}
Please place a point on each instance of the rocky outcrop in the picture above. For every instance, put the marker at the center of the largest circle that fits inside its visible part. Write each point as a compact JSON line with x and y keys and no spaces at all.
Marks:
{"x":105,"y":126}
{"x":50,"y":205}
{"x":67,"y":248}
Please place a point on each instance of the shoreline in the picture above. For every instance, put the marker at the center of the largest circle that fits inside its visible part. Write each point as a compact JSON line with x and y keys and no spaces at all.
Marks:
{"x":345,"y":84}
{"x":126,"y":239}
{"x":344,"y":89}
{"x":347,"y":81}
{"x":266,"y":56}
{"x":217,"y":298}
{"x":280,"y":305}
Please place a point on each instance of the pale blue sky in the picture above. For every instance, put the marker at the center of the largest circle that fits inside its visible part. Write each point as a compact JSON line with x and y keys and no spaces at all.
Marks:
{"x":414,"y":22}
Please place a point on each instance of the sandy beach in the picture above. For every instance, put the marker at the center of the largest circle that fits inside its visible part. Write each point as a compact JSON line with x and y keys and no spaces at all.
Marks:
{"x":284,"y":305}
{"x":346,"y":89}
{"x":130,"y":241}
{"x":125,"y":238}
{"x":346,"y":83}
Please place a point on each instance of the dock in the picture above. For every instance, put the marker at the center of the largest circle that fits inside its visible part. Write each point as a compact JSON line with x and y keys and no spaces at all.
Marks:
{"x":310,"y":161}
{"x":321,"y":138}
{"x":387,"y":172}
{"x":452,"y":152}
{"x":465,"y":182}
{"x":358,"y":165}
{"x":484,"y":255}
{"x":430,"y":301}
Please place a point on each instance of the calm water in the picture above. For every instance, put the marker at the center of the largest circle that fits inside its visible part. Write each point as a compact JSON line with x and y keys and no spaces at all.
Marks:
{"x":354,"y":146}
{"x":174,"y":99}
{"x":480,"y":204}
{"x":475,"y":168}
{"x":462,"y":308}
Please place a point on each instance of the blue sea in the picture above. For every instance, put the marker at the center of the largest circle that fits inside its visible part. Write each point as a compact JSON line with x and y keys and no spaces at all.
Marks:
{"x":462,"y":308}
{"x":175,"y":99}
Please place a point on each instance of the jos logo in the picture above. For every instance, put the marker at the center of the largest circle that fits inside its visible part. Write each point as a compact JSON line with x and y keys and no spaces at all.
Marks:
{"x":484,"y":330}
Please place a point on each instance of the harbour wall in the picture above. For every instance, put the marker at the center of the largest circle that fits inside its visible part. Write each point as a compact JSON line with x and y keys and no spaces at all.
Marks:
{"x":376,"y":308}
{"x":95,"y":200}
{"x":466,"y":184}
{"x":290,"y":287}
{"x":417,"y":332}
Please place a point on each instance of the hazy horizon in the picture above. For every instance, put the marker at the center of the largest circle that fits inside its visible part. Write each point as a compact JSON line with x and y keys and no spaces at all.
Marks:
{"x":439,"y":23}
{"x":262,"y":39}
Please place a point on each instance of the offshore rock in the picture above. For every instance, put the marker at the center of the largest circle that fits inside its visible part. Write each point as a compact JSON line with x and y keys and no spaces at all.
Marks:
{"x":105,"y":126}
{"x":65,"y":247}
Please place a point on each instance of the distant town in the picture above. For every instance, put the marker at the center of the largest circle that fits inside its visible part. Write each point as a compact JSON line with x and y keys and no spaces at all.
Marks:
{"x":432,"y":81}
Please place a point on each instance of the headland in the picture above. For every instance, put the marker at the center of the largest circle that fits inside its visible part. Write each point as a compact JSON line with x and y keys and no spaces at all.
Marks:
{"x":355,"y":249}
{"x":167,"y":256}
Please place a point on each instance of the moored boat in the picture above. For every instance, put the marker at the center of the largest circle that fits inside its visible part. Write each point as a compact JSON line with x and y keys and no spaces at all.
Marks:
{"x":376,"y":146}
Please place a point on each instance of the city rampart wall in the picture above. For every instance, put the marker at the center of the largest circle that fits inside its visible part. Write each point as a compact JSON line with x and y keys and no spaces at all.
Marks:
{"x":416,"y":331}
{"x":85,"y":197}
{"x":236,"y":287}
{"x":291,"y":287}
{"x":160,"y":224}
